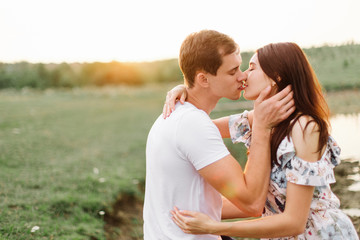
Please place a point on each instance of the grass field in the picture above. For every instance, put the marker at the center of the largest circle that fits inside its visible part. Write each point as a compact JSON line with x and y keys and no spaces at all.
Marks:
{"x":67,"y":156}
{"x":336,"y":67}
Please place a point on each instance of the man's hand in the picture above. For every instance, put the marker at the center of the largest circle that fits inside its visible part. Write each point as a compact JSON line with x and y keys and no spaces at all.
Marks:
{"x":270,"y":112}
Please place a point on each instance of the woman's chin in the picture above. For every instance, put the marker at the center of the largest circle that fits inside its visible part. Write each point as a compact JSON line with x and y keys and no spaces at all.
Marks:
{"x":249,"y":96}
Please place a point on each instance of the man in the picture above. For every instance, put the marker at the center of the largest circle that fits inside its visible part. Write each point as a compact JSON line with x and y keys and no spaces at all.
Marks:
{"x":187,"y":162}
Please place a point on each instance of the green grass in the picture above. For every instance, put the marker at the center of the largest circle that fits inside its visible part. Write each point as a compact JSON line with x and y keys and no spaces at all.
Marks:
{"x":52,"y":143}
{"x":336,"y":67}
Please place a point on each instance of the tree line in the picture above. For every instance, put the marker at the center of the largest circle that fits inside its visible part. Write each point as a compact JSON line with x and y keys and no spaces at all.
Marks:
{"x":337,"y":67}
{"x":68,"y":75}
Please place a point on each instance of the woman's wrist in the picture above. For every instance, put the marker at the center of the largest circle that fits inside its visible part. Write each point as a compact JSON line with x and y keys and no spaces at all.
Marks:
{"x":261,"y":128}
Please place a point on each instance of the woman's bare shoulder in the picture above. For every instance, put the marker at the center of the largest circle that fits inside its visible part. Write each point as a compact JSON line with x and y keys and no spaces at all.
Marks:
{"x":305,"y":136}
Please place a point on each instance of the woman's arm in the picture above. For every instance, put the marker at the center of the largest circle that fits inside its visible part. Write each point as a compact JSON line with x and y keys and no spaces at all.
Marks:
{"x":298,"y":200}
{"x":250,"y":117}
{"x":179,"y":93}
{"x":223,"y":125}
{"x":289,"y":223}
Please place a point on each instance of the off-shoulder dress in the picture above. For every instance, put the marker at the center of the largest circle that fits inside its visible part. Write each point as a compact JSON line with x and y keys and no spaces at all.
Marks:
{"x":326,"y":220}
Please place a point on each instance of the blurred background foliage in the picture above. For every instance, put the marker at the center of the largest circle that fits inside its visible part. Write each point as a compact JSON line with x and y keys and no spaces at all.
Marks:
{"x":326,"y":60}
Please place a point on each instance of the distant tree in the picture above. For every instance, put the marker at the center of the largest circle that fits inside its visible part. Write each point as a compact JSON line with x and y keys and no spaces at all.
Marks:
{"x":112,"y":73}
{"x":63,"y":76}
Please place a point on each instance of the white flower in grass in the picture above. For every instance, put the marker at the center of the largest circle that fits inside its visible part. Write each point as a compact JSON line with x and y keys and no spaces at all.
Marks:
{"x":35,"y":228}
{"x":102,"y":213}
{"x":96,"y":170}
{"x":102,"y":180}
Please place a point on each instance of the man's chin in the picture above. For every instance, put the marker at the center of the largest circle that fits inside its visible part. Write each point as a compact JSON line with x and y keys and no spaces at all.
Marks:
{"x":239,"y":95}
{"x":234,"y":98}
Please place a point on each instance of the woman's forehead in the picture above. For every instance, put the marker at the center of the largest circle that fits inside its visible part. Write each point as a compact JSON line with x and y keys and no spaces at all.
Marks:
{"x":254,"y":59}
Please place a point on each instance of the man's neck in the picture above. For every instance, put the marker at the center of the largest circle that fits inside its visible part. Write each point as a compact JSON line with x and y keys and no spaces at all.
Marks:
{"x":202,"y":99}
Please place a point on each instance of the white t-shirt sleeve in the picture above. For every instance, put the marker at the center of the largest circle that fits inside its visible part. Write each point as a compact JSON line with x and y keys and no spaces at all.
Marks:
{"x":199,"y":140}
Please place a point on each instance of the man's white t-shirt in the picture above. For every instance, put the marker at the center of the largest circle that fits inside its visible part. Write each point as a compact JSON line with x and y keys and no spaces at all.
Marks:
{"x":176,"y":148}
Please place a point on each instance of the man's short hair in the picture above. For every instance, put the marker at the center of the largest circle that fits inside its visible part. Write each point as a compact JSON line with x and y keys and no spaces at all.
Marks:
{"x":203,"y":51}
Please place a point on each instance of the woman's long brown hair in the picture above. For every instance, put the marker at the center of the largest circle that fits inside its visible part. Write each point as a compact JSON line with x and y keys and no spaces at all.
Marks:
{"x":287,"y":64}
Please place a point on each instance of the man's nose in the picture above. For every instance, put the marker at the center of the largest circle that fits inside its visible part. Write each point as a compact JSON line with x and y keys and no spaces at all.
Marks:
{"x":242,"y":76}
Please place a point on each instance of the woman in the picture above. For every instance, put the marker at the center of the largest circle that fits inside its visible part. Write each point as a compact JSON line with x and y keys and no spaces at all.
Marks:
{"x":300,"y":203}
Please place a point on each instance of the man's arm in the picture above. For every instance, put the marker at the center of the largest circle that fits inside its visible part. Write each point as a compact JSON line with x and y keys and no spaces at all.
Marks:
{"x":230,"y":211}
{"x":247,"y":190}
{"x":227,"y":177}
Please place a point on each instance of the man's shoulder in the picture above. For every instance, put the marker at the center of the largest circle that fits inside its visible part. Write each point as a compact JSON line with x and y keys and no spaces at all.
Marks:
{"x":185,"y":115}
{"x":190,"y":117}
{"x":188,"y":110}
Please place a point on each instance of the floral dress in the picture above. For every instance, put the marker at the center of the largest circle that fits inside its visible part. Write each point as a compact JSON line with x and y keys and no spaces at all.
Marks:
{"x":326,"y":220}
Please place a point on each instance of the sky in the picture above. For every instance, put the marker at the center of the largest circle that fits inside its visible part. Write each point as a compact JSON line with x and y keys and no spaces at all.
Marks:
{"x":146,"y":30}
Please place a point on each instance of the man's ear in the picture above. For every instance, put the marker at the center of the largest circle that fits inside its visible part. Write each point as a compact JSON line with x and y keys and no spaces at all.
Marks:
{"x":202,"y":79}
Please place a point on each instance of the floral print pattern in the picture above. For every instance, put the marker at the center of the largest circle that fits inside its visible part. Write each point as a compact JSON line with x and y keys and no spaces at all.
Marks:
{"x":326,"y":220}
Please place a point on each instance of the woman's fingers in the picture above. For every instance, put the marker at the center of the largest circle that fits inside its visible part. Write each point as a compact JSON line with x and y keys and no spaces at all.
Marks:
{"x":171,"y":102}
{"x":182,"y":218}
{"x":166,"y":105}
{"x":288,"y":106}
{"x":169,"y":105}
{"x":275,"y":109}
{"x":185,"y":213}
{"x":166,"y":110}
{"x":180,"y":221}
{"x":283,"y":93}
{"x":178,"y":93}
{"x":183,"y":98}
{"x":191,"y":222}
{"x":263,"y":94}
{"x":288,"y":98}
